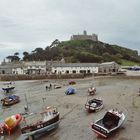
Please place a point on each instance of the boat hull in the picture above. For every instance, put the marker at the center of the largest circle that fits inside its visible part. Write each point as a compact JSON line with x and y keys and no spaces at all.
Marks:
{"x":8,"y":89}
{"x":40,"y":128}
{"x":7,"y":102}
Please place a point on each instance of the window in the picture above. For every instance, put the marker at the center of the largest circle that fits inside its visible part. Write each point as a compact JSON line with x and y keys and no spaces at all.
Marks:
{"x":67,"y":71}
{"x":74,"y":71}
{"x":88,"y":71}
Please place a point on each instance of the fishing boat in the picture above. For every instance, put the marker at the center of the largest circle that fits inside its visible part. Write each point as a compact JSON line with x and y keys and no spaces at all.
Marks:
{"x":40,"y":123}
{"x":8,"y":87}
{"x":93,"y":105}
{"x":111,"y":121}
{"x":10,"y":100}
{"x":70,"y":91}
{"x":72,"y":82}
{"x":9,"y":124}
{"x":92,"y":91}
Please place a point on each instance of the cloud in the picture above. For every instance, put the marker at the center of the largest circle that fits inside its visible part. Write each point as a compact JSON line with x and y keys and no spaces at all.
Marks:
{"x":26,"y":25}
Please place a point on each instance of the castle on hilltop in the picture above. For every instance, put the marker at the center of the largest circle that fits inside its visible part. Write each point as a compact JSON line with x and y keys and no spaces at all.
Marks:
{"x":84,"y":36}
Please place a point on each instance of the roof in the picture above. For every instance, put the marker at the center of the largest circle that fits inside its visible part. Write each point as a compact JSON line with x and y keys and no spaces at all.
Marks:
{"x":76,"y":65}
{"x":108,"y":63}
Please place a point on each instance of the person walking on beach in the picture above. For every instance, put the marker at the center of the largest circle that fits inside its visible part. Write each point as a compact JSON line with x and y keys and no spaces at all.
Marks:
{"x":46,"y":87}
{"x":50,"y":87}
{"x":139,"y":92}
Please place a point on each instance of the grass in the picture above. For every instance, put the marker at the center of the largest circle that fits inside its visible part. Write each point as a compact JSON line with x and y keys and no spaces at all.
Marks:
{"x":128,"y":63}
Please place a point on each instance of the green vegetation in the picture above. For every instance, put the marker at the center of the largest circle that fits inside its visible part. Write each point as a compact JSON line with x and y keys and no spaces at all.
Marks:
{"x":129,"y":63}
{"x":83,"y":51}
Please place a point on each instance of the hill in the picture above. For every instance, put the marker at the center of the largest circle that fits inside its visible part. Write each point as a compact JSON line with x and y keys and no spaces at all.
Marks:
{"x":83,"y":51}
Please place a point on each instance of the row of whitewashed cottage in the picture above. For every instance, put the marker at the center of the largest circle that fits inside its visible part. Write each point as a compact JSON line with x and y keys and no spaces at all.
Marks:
{"x":52,"y":67}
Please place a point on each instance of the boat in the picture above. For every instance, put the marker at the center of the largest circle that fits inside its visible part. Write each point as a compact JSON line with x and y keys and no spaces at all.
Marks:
{"x":70,"y":91}
{"x":10,"y":124}
{"x":92,"y":91}
{"x":8,"y":87}
{"x":10,"y":100}
{"x":40,"y":123}
{"x":57,"y":86}
{"x":72,"y":82}
{"x":110,"y":122}
{"x":93,"y":105}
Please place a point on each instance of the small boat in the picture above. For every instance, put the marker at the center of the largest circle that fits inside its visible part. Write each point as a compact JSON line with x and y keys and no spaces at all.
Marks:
{"x":92,"y":91}
{"x":10,"y":100}
{"x":57,"y":86}
{"x":8,"y":87}
{"x":72,"y":82}
{"x":111,"y":121}
{"x":40,"y":123}
{"x":10,"y":124}
{"x":93,"y":105}
{"x":70,"y":91}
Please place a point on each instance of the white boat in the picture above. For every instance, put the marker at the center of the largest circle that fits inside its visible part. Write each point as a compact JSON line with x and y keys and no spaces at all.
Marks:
{"x":94,"y":105}
{"x":8,"y":87}
{"x":40,"y":123}
{"x":111,"y":121}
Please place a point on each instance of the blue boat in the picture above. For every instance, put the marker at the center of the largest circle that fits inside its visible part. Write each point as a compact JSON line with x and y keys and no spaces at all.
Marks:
{"x":10,"y":100}
{"x":8,"y":87}
{"x":70,"y":91}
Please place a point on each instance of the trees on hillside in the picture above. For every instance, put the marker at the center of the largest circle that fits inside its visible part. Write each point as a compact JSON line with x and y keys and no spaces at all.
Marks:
{"x":13,"y":58}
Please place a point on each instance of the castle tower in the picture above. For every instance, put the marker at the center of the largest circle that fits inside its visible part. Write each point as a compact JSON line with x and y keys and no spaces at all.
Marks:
{"x":85,"y":32}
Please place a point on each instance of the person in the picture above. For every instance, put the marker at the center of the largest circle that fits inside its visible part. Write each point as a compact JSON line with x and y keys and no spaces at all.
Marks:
{"x":46,"y":87}
{"x":50,"y":86}
{"x":139,"y":92}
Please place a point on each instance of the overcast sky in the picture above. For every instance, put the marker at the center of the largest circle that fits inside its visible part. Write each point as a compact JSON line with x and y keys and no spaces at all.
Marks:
{"x":29,"y":24}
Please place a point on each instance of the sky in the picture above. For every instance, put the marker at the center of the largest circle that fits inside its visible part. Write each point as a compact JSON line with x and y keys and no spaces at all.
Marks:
{"x":29,"y":24}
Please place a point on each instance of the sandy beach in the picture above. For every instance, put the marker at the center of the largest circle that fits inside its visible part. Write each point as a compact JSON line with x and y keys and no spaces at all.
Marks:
{"x":120,"y":93}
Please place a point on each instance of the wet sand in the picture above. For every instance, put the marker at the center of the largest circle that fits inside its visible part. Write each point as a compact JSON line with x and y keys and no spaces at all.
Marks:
{"x":118,"y":93}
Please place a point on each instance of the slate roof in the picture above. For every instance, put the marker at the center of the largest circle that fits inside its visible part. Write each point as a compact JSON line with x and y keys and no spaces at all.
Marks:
{"x":76,"y":65}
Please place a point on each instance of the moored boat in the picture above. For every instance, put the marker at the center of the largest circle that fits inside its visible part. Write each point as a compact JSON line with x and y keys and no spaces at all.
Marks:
{"x":92,"y":91}
{"x":70,"y":91}
{"x":72,"y":82}
{"x":10,"y":124}
{"x":57,"y":86}
{"x":8,"y":87}
{"x":10,"y":100}
{"x":40,"y":123}
{"x":93,"y":105}
{"x":111,"y":121}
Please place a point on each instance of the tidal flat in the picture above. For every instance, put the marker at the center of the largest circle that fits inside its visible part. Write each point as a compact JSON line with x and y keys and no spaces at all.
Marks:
{"x":120,"y":93}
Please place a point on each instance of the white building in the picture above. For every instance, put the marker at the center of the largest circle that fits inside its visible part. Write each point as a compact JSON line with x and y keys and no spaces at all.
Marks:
{"x":109,"y":67}
{"x":35,"y":67}
{"x":74,"y":68}
{"x":12,"y":68}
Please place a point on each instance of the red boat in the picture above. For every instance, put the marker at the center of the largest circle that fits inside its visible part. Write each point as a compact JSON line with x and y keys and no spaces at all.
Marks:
{"x":92,"y":91}
{"x":10,"y":124}
{"x":72,"y":82}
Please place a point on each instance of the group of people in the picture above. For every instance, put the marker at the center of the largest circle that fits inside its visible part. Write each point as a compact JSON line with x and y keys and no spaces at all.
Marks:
{"x":49,"y":87}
